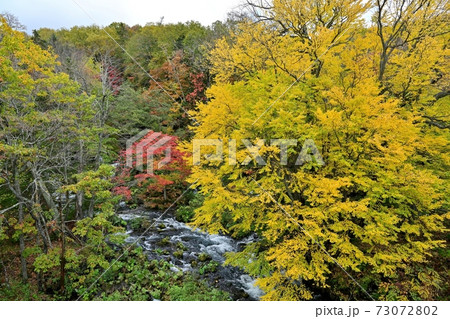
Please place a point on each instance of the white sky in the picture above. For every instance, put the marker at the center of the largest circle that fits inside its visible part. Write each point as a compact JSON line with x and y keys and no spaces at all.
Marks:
{"x":56,"y":14}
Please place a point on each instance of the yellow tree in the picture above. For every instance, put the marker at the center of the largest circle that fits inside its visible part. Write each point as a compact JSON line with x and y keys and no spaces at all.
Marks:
{"x":364,"y":225}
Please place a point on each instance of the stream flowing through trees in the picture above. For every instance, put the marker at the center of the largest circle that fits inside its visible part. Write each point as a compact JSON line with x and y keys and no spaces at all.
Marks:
{"x":191,"y":250}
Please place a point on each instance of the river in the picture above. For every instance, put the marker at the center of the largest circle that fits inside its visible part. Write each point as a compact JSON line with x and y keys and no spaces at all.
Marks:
{"x":167,"y":235}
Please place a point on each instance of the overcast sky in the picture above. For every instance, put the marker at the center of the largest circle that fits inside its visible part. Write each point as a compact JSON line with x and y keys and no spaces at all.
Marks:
{"x":57,"y":14}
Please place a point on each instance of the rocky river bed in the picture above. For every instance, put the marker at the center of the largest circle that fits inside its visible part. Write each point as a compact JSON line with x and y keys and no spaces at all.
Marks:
{"x":190,"y":250}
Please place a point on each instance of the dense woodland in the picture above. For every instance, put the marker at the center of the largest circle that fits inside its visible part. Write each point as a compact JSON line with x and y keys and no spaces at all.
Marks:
{"x":366,"y":80}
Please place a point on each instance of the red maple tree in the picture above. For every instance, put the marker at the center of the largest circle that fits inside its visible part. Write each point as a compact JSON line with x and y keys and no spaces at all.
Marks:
{"x":157,"y":186}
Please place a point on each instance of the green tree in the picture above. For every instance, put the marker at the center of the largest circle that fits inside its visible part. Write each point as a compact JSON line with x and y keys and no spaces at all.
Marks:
{"x":40,"y":127}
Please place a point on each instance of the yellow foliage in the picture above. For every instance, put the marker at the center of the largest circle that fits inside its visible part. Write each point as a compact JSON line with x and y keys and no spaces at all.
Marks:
{"x":378,"y":206}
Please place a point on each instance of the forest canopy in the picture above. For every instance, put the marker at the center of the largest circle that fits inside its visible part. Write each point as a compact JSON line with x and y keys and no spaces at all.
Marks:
{"x":363,"y":84}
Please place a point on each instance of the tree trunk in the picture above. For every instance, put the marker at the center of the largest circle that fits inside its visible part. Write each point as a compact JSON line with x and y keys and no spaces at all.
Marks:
{"x":62,"y":278}
{"x":23,"y":261}
{"x":383,"y":63}
{"x":39,"y":275}
{"x":47,"y":197}
{"x":79,"y":205}
{"x":98,"y":157}
{"x":43,"y":190}
{"x":6,"y":274}
{"x":91,"y":208}
{"x":42,"y":231}
{"x":80,"y":194}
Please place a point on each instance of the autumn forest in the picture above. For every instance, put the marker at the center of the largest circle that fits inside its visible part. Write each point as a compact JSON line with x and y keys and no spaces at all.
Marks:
{"x":298,"y":150}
